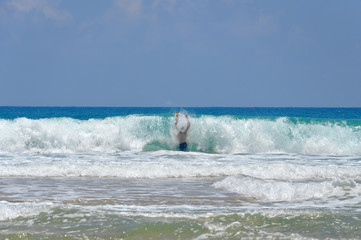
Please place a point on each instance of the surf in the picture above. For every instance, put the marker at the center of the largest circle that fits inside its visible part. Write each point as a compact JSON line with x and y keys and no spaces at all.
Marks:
{"x":209,"y":134}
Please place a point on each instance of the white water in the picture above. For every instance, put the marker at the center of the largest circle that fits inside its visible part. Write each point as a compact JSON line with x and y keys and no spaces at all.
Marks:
{"x":256,"y":177}
{"x":11,"y":211}
{"x":225,"y":195}
{"x":207,"y":134}
{"x":279,"y":191}
{"x":173,"y":164}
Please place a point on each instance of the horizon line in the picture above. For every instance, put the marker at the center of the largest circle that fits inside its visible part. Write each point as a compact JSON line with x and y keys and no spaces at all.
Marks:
{"x":78,"y":106}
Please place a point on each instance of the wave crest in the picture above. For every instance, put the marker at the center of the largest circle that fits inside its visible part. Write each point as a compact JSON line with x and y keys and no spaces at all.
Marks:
{"x":212,"y":134}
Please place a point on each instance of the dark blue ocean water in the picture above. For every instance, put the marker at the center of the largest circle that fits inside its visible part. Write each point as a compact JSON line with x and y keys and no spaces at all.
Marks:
{"x":84,"y":113}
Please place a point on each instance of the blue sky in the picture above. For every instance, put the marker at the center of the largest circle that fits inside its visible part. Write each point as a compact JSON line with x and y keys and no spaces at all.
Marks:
{"x":180,"y":53}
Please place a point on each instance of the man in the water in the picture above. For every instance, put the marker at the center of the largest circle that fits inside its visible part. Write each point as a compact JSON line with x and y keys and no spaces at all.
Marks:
{"x":182,"y":132}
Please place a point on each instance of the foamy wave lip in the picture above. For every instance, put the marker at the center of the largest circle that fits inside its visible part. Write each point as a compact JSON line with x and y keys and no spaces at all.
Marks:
{"x":66,"y":135}
{"x":229,"y":135}
{"x":276,"y":191}
{"x":148,"y":133}
{"x":9,"y":211}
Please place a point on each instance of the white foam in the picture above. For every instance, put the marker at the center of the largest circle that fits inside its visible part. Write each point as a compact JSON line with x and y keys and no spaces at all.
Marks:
{"x":170,"y":164}
{"x":230,"y":135}
{"x":9,"y":211}
{"x":207,"y":134}
{"x":66,"y":135}
{"x":204,"y":212}
{"x":278,"y":191}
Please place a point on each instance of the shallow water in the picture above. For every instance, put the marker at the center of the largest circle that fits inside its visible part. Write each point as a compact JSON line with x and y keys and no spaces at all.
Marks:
{"x":168,"y":194}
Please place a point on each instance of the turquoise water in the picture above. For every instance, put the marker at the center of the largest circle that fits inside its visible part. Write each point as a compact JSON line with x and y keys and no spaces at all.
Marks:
{"x":116,"y":173}
{"x":84,"y":113}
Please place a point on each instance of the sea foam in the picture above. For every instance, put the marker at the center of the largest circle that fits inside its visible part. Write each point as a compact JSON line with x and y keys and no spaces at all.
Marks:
{"x":279,"y":191}
{"x":211,"y":134}
{"x":11,"y":210}
{"x":172,"y":164}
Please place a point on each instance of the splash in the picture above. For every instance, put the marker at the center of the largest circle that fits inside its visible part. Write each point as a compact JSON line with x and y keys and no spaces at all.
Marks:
{"x":211,"y":134}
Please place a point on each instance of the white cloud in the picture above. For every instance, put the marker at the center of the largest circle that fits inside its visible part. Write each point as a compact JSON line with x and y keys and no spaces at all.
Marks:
{"x":44,"y":7}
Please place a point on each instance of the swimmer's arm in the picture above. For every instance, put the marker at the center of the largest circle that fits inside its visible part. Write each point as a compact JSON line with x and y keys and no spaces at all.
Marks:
{"x":188,"y":123}
{"x":176,"y":118}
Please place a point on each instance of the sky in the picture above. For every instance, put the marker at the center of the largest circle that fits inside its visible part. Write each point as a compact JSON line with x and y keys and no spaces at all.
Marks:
{"x":189,"y":53}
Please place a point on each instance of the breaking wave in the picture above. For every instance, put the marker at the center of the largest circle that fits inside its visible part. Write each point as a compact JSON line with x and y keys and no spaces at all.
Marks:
{"x":211,"y":134}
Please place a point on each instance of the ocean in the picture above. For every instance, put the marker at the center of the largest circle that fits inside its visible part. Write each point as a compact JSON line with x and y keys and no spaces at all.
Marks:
{"x":117,"y":173}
